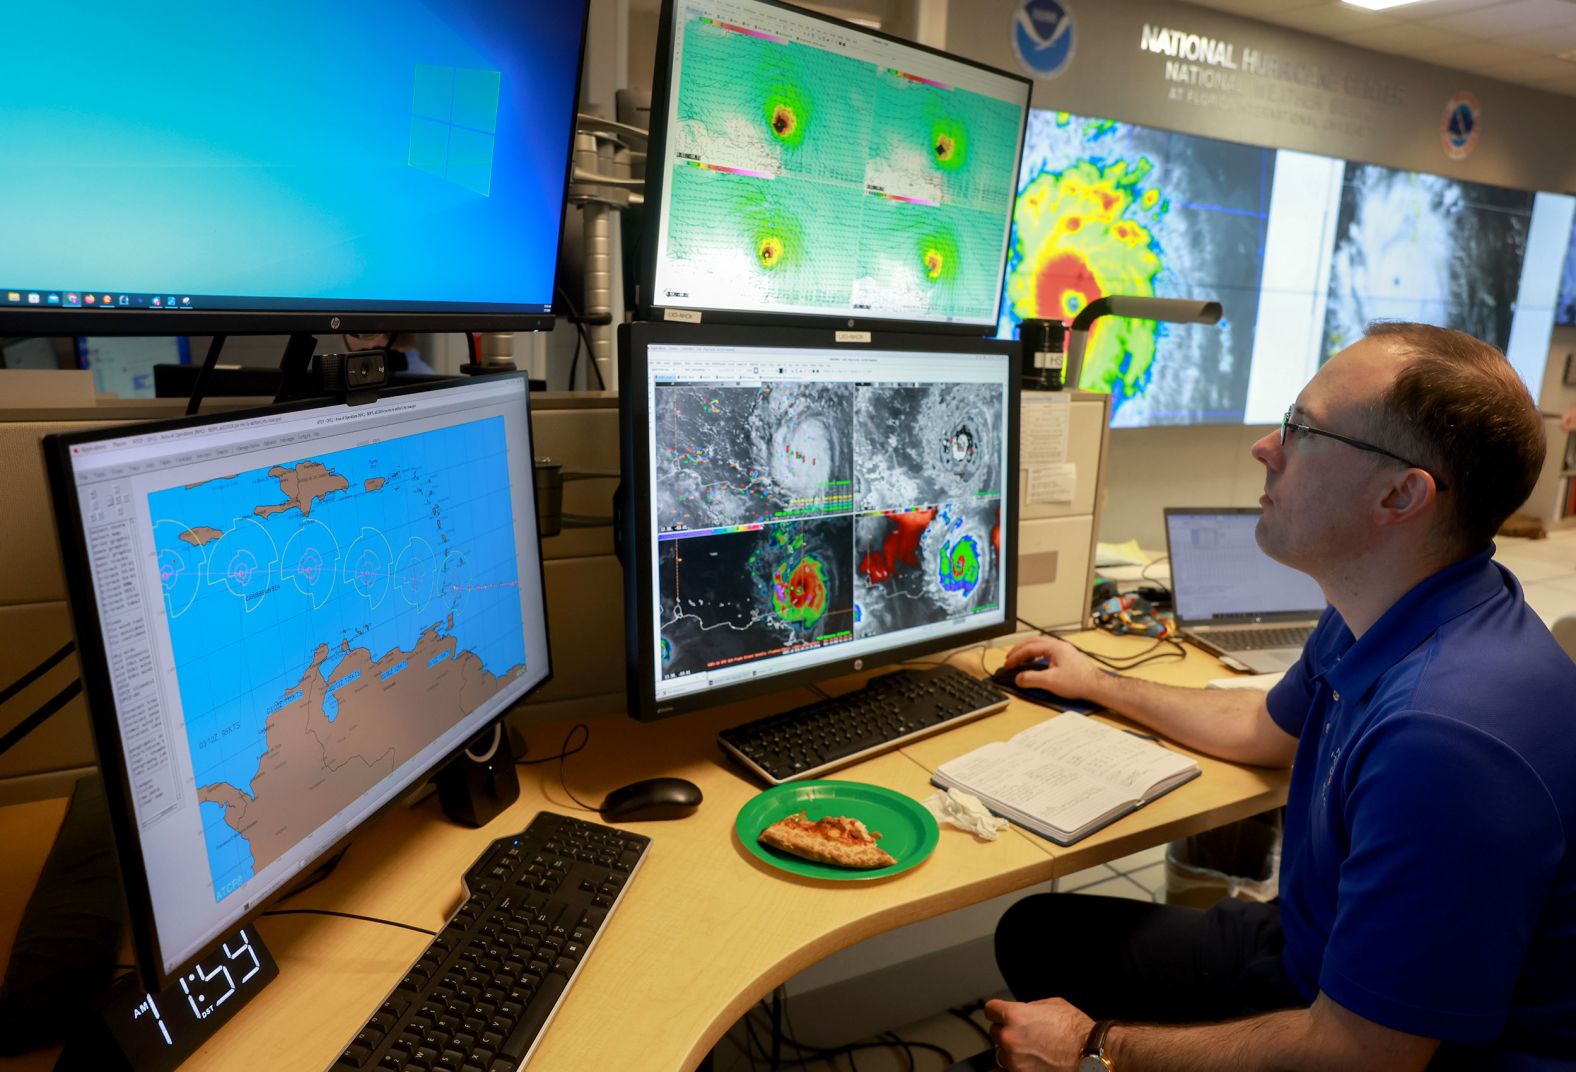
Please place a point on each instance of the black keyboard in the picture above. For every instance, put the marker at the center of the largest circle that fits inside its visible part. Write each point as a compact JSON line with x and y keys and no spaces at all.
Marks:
{"x":487,"y":986}
{"x":889,"y":710}
{"x":1263,"y":638}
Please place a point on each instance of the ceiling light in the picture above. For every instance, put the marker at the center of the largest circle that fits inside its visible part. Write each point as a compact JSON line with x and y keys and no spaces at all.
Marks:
{"x":1378,"y":5}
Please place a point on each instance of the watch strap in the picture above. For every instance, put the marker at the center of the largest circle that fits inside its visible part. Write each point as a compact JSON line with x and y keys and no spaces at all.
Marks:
{"x":1094,"y":1045}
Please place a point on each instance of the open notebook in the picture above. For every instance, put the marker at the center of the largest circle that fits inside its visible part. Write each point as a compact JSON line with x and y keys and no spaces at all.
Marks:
{"x":1068,"y":776}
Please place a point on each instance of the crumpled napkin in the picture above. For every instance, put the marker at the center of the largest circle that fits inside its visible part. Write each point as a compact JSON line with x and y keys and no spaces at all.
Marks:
{"x":965,"y":811}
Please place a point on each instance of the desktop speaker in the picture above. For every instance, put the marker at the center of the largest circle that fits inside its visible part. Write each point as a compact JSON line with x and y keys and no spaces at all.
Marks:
{"x":481,"y":781}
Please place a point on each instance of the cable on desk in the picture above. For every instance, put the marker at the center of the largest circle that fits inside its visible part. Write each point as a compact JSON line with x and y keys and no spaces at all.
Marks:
{"x":319,"y":873}
{"x":1174,"y":650}
{"x":348,"y":915}
{"x":564,"y":752}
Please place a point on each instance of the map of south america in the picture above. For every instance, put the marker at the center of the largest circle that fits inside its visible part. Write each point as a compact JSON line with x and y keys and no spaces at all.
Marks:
{"x":330,"y":616}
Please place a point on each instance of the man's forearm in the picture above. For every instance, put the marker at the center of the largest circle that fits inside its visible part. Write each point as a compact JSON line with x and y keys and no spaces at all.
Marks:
{"x":1229,"y":723}
{"x":1275,"y":1040}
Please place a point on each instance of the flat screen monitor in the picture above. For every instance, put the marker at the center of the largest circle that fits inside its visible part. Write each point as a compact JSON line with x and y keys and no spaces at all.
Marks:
{"x":281,"y":166}
{"x":286,"y":618}
{"x":795,"y":508}
{"x":804,"y":167}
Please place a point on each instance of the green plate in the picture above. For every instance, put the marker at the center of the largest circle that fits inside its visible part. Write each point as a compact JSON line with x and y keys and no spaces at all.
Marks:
{"x":907,"y":830}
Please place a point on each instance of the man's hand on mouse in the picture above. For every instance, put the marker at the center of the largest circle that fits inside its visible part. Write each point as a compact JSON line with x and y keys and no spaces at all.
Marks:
{"x":1068,"y":672}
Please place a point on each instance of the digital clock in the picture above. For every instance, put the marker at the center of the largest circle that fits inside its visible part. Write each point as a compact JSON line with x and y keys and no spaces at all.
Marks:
{"x":155,"y":1032}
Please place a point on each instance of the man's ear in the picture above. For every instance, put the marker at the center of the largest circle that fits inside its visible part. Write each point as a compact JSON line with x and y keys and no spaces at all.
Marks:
{"x":1409,"y":496}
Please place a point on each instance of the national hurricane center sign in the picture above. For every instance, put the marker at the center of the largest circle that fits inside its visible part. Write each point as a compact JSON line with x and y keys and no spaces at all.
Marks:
{"x":1216,"y":73}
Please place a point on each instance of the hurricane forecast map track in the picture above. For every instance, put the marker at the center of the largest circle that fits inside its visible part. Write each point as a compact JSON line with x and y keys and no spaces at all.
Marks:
{"x":329,"y":617}
{"x":793,"y":515}
{"x":802,"y":179}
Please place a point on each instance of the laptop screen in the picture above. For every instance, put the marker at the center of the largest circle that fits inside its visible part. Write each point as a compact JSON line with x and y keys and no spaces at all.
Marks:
{"x":1218,"y":571}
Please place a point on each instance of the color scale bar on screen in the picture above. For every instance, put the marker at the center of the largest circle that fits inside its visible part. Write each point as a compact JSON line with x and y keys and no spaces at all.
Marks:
{"x":732,"y":170}
{"x":746,"y":31}
{"x":921,"y":79}
{"x":911,"y":200}
{"x":689,"y":534}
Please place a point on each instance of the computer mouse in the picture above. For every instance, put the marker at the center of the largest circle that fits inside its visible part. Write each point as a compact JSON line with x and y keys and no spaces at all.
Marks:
{"x":1006,"y":677}
{"x":651,"y":799}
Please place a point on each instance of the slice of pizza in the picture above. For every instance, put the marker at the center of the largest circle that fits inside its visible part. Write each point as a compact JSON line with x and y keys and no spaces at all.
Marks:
{"x":835,"y":840}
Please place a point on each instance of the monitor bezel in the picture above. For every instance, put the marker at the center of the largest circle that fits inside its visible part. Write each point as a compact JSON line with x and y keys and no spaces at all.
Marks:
{"x":98,"y":689}
{"x":636,"y":539}
{"x":357,"y":316}
{"x":647,"y":309}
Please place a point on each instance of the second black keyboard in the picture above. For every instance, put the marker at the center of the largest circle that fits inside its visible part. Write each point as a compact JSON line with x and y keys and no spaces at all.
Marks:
{"x":481,"y":995}
{"x":891,"y":709}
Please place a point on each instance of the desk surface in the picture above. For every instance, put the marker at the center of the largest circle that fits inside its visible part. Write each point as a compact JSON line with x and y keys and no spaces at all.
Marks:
{"x":706,"y":929}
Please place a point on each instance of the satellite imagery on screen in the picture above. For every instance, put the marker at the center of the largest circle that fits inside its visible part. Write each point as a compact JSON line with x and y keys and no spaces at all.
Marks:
{"x":329,"y":618}
{"x":804,"y":179}
{"x":796,"y":515}
{"x":1114,"y":208}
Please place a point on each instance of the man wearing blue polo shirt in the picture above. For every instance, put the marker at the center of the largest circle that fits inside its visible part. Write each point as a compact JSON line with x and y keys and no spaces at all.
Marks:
{"x":1427,"y":911}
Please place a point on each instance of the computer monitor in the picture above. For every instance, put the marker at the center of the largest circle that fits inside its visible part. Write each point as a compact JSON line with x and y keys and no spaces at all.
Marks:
{"x":797,"y":508}
{"x":280,"y":167}
{"x":285,"y":619}
{"x":801,"y":166}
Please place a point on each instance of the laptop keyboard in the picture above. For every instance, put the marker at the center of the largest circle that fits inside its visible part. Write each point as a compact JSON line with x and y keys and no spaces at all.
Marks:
{"x":1262,"y":638}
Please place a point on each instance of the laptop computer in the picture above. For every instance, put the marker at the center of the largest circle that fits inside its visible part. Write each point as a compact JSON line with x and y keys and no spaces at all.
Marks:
{"x":1231,"y":598}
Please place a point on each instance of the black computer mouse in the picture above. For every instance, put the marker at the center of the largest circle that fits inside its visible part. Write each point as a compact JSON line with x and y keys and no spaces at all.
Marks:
{"x":1007,"y":678}
{"x":651,"y":799}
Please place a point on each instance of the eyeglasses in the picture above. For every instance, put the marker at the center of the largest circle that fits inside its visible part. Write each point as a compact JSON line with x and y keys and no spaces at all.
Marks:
{"x":1287,"y":425}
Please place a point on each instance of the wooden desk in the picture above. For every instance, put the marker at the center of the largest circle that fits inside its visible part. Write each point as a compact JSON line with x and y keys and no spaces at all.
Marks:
{"x":706,"y":929}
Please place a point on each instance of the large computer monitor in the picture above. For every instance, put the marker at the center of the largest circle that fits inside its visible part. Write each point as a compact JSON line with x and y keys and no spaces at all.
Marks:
{"x":285,"y":618}
{"x":801,"y":166}
{"x":280,"y":167}
{"x":797,"y":508}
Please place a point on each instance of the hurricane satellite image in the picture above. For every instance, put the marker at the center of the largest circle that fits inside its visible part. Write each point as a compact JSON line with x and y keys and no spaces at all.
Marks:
{"x":927,"y":444}
{"x":1425,"y":248}
{"x":740,"y":596}
{"x":1115,"y":208}
{"x":925,"y":565}
{"x":740,"y":455}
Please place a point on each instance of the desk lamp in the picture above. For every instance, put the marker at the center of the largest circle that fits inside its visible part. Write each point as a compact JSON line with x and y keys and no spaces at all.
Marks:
{"x":1171,"y":310}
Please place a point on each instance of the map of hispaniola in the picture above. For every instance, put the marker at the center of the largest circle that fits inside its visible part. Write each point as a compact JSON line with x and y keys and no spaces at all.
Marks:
{"x":791,"y":162}
{"x":329,"y":617}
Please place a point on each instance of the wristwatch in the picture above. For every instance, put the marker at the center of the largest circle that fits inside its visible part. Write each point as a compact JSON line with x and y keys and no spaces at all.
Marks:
{"x":1093,"y":1058}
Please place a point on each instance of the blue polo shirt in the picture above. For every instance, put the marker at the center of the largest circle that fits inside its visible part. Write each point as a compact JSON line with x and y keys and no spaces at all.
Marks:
{"x":1428,"y":881}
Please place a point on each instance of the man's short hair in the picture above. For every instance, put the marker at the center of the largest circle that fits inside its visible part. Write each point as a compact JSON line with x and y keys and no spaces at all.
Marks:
{"x":1461,"y":409}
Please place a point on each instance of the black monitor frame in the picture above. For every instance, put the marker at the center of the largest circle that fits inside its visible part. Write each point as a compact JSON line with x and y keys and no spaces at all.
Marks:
{"x":98,"y":691}
{"x":634,"y":538}
{"x":305,"y":316}
{"x":657,"y":154}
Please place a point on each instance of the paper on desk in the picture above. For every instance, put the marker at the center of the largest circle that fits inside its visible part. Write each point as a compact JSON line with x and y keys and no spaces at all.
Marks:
{"x":965,"y":811}
{"x":1052,"y":484}
{"x":1047,"y":425}
{"x":1262,"y":682}
{"x":1127,"y":553}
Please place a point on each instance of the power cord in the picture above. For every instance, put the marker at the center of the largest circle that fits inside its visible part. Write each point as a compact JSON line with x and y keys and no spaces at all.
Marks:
{"x":564,"y":752}
{"x":584,"y":336}
{"x":806,"y":1054}
{"x":1174,"y":651}
{"x":349,"y":915}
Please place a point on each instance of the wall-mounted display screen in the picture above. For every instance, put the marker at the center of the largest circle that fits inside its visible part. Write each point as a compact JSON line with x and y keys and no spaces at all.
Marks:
{"x":1301,"y":250}
{"x":1565,"y":311}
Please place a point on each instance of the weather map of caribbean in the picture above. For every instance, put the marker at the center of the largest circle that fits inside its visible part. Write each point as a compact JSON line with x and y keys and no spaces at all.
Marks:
{"x":802,"y":179}
{"x":795,"y":515}
{"x":330,"y":616}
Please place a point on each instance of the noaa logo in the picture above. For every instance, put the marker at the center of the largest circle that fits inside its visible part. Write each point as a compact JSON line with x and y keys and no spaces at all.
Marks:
{"x":1043,"y":37}
{"x":1459,"y":131}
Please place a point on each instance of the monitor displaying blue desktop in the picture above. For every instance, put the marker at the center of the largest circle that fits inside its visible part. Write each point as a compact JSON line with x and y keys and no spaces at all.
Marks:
{"x":284,"y":158}
{"x":286,"y":618}
{"x":802,"y":166}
